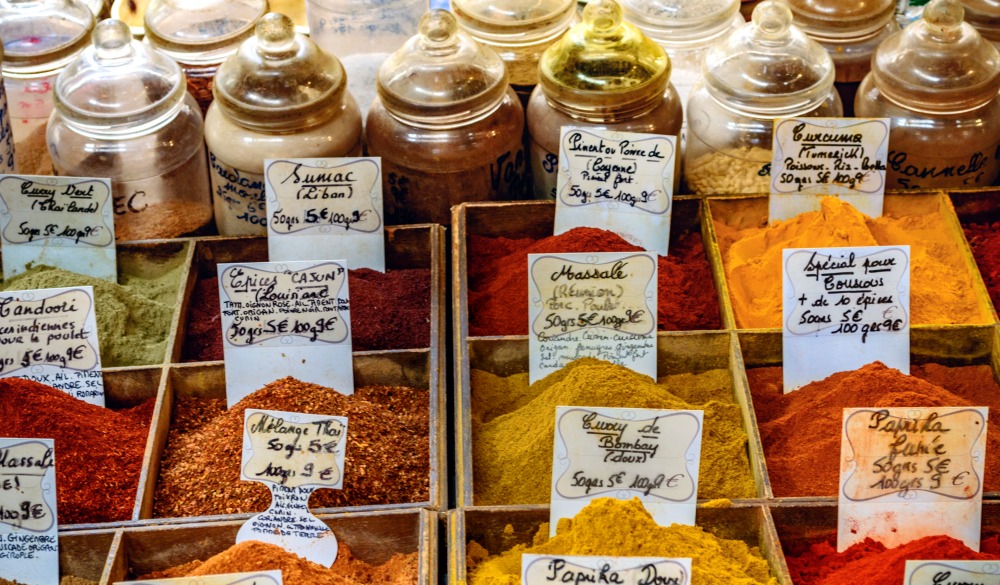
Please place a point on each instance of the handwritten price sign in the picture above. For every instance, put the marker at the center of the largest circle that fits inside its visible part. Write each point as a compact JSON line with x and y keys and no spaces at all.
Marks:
{"x":546,"y":569}
{"x":28,"y":525}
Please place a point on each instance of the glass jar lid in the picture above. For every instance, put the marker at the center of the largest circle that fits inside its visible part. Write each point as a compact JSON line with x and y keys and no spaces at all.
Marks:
{"x":118,"y":85}
{"x":681,"y":21}
{"x":201,"y":32}
{"x":278,"y":79}
{"x":604,"y":66}
{"x":514,"y":22}
{"x":769,"y":67}
{"x":441,"y":76}
{"x":985,"y":16}
{"x":42,"y":35}
{"x":938,"y":64}
{"x":836,"y":20}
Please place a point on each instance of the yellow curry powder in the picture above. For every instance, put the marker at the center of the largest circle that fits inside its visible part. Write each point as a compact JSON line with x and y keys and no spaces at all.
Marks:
{"x":513,"y":426}
{"x":941,"y":290}
{"x":609,"y":527}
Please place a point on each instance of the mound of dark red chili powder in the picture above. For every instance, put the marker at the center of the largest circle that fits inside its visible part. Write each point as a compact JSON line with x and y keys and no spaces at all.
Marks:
{"x":985,"y":242}
{"x":498,"y":279}
{"x":387,"y":460}
{"x":98,"y":450}
{"x":801,"y":430}
{"x":389,"y":310}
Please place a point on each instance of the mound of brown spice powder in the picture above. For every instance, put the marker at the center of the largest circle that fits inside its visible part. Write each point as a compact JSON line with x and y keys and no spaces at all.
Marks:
{"x":387,"y":459}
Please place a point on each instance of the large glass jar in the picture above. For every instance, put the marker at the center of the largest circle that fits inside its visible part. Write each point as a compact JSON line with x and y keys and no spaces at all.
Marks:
{"x":122,"y":112}
{"x":447,"y":125}
{"x":39,"y":38}
{"x":984,"y":15}
{"x":937,"y":80}
{"x":769,"y":69}
{"x":200,"y":35}
{"x":602,"y":74}
{"x":279,"y":95}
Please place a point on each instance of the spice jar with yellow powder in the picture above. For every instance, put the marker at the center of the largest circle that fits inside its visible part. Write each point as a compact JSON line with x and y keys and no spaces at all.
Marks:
{"x":602,"y":74}
{"x":768,"y":69}
{"x":938,"y":82}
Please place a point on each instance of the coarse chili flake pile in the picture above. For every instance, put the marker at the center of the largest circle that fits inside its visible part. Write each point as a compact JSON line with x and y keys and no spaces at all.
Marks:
{"x":984,"y":239}
{"x":387,"y":459}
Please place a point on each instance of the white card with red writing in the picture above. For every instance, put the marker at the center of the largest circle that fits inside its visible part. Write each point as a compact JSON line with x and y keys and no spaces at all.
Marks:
{"x":546,"y":569}
{"x":28,"y":522}
{"x":258,"y":578}
{"x":906,"y":473}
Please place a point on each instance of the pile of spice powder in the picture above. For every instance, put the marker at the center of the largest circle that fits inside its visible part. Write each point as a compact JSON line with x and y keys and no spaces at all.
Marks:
{"x":941,"y":291}
{"x":66,"y":580}
{"x":389,"y":310}
{"x":498,"y":279}
{"x":801,"y":430}
{"x":513,"y":425}
{"x":133,"y":316}
{"x":387,"y":458}
{"x":98,"y":450}
{"x":817,"y":562}
{"x":252,"y":556}
{"x":623,"y":528}
{"x":985,"y":242}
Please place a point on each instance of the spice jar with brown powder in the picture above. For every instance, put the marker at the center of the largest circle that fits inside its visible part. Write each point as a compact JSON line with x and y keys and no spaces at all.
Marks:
{"x":446,"y":124}
{"x":122,"y":111}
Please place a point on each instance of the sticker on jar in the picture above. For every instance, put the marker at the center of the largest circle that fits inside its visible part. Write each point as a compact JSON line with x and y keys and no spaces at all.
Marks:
{"x":828,"y":157}
{"x":951,"y":572}
{"x":256,"y":578}
{"x":544,"y":569}
{"x":238,"y":195}
{"x":28,"y":523}
{"x":619,"y":181}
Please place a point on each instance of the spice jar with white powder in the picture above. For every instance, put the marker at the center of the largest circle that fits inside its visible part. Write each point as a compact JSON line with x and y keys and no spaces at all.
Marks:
{"x":279,"y":95}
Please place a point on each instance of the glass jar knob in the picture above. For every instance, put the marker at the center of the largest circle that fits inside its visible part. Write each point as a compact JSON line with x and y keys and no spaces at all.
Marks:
{"x":944,"y":19}
{"x":112,"y":41}
{"x":275,"y":36}
{"x":771,"y":21}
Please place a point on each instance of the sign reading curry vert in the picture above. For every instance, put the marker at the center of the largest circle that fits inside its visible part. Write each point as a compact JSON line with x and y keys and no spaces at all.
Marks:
{"x":320,"y":208}
{"x":935,"y":572}
{"x":285,"y":319}
{"x":600,"y":305}
{"x":258,"y":578}
{"x":28,"y":521}
{"x":66,"y":222}
{"x":547,"y":569}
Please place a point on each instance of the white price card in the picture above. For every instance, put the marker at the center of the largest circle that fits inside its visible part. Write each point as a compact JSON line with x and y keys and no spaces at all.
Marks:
{"x":546,"y":569}
{"x":49,"y":335}
{"x":28,"y":520}
{"x":906,"y":473}
{"x":322,"y":208}
{"x":619,"y":181}
{"x":844,"y":308}
{"x":600,"y":305}
{"x":819,"y":157}
{"x":625,"y":453}
{"x":293,"y":454}
{"x":257,"y":578}
{"x":947,"y":572}
{"x":285,"y":319}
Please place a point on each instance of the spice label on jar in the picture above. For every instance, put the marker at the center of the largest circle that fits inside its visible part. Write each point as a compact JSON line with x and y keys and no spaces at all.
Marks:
{"x":258,"y":578}
{"x":66,"y":222}
{"x":820,"y":157}
{"x":625,"y":453}
{"x":28,"y":520}
{"x":293,"y":454}
{"x":844,"y":308}
{"x":906,"y":473}
{"x":321,"y":208}
{"x":619,"y":181}
{"x":238,"y":195}
{"x":600,"y":305}
{"x":285,"y":319}
{"x":947,"y":572}
{"x":545,"y":569}
{"x":50,"y":336}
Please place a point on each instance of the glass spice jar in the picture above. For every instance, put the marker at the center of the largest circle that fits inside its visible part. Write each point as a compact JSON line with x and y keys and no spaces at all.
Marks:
{"x":768,"y":69}
{"x":279,"y":95}
{"x":6,"y":137}
{"x":39,"y":38}
{"x":937,"y":80}
{"x":200,"y":35}
{"x":122,"y":112}
{"x":447,"y":125}
{"x":984,"y":15}
{"x":602,"y":74}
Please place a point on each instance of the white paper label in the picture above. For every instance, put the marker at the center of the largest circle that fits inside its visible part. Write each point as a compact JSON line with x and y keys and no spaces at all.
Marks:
{"x":50,"y":336}
{"x":28,"y":520}
{"x":321,"y":208}
{"x":599,"y":305}
{"x":906,"y":473}
{"x":844,"y":308}
{"x":258,"y":578}
{"x":285,"y":319}
{"x":546,"y":569}
{"x":619,"y":181}
{"x":819,"y":157}
{"x":952,"y":573}
{"x":293,"y":454}
{"x":624,"y":453}
{"x":66,"y":222}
